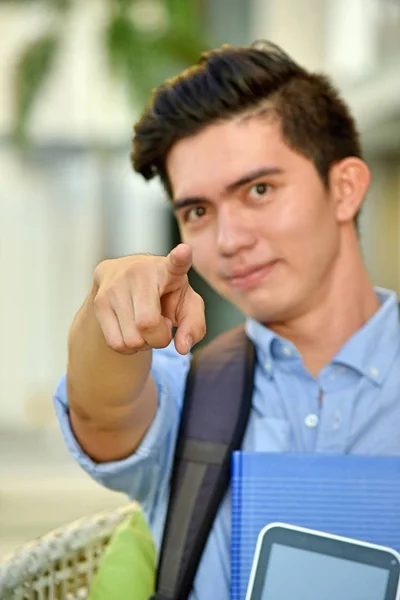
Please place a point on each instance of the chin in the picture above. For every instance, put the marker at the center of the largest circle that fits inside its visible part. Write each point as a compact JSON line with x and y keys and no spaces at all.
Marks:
{"x":263,"y":306}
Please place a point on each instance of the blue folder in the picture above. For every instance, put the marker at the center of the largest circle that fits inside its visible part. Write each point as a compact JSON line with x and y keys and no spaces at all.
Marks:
{"x":353,"y":496}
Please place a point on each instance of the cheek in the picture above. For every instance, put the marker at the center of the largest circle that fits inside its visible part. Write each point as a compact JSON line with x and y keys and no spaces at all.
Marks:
{"x":302,"y":230}
{"x":313,"y":239}
{"x":299,"y":217}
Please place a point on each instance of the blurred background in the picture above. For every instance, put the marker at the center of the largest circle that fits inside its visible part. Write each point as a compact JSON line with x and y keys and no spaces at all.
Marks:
{"x":74,"y":75}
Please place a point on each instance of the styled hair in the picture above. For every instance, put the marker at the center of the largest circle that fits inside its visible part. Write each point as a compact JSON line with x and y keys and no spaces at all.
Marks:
{"x":232,"y":81}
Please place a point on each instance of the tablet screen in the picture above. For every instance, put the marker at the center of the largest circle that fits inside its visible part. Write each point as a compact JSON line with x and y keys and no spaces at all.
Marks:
{"x":306,"y":575}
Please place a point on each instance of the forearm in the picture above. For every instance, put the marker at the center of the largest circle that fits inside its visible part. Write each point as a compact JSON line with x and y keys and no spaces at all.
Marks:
{"x":112,"y":399}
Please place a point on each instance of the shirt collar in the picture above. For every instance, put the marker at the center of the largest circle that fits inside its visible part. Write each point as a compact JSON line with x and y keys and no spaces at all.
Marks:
{"x":262,"y":338}
{"x":370,"y":351}
{"x":373,"y":348}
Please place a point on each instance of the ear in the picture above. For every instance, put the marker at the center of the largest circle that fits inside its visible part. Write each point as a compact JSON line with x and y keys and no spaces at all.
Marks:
{"x":348,"y":182}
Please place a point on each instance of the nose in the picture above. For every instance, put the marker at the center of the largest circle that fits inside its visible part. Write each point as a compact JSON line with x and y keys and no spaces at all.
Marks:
{"x":235,"y":231}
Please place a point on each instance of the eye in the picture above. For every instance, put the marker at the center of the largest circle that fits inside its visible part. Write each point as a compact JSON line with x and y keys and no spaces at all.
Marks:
{"x":259,"y":190}
{"x":194,"y":214}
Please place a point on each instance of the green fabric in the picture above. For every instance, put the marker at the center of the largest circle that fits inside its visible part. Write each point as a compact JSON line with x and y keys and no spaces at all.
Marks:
{"x":127,"y":568}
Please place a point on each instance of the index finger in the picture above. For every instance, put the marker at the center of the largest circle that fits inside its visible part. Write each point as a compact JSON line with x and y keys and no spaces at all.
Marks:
{"x":179,"y":260}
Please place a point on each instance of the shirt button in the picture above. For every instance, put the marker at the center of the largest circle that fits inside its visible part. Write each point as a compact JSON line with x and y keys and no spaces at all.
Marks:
{"x":311,"y":421}
{"x":267,"y":365}
{"x":374,"y":372}
{"x":287,"y":351}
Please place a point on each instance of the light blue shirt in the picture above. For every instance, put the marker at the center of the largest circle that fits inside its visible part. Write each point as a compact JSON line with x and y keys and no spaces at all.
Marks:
{"x":359,"y":414}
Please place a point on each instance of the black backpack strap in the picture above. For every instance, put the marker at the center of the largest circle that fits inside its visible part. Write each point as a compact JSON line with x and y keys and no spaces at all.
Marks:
{"x":216,"y":410}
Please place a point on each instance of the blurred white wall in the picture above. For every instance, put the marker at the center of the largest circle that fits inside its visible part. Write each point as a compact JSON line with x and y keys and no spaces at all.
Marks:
{"x":299,"y":27}
{"x":64,"y":206}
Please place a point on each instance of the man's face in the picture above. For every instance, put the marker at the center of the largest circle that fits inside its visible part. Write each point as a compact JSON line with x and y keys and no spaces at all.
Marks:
{"x":257,"y":216}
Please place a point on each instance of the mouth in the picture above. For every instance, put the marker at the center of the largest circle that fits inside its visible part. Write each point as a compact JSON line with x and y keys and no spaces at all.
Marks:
{"x":250,"y":277}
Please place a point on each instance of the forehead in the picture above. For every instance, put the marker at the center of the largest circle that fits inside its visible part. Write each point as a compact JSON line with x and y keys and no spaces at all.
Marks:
{"x":221,"y":153}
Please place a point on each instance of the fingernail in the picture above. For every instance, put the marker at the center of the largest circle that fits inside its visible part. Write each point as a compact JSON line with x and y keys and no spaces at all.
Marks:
{"x":189,"y":342}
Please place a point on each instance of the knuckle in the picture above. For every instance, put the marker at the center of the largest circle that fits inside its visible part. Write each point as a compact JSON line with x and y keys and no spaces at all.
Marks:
{"x":200,"y":301}
{"x":148,"y":322}
{"x":103,"y":264}
{"x":138,"y":280}
{"x":117,"y":345}
{"x":162,"y":342}
{"x":136,"y":266}
{"x":134,"y":342}
{"x":100,"y":302}
{"x":108,"y":297}
{"x":131,"y":273}
{"x":114,"y":294}
{"x":100,"y":268}
{"x":202,"y":329}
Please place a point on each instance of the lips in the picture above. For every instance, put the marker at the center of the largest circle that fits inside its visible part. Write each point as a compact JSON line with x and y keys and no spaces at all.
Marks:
{"x":251,"y":276}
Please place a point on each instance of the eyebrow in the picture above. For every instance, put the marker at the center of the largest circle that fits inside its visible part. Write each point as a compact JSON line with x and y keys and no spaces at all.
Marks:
{"x":249,"y":177}
{"x":181,"y":203}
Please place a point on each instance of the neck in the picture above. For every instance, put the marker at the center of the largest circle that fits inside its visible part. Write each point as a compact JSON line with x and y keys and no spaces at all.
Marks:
{"x":337,"y":312}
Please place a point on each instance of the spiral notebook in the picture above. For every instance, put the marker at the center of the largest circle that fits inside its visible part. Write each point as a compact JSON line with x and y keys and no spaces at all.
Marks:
{"x":352,"y":496}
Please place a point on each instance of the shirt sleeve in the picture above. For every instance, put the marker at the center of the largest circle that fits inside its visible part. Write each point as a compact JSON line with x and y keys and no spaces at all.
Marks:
{"x":144,"y":474}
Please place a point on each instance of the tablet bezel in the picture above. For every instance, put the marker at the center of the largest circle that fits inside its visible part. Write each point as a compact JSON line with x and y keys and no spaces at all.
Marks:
{"x":322,"y":543}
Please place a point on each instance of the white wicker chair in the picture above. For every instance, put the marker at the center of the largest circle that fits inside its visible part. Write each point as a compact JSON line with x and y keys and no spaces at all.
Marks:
{"x":61,"y":564}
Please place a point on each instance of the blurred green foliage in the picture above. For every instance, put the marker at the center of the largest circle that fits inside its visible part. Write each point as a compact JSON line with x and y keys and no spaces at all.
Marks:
{"x":145,"y":41}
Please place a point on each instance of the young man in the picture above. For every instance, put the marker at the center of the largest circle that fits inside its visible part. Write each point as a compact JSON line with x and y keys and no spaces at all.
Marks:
{"x":263,"y":165}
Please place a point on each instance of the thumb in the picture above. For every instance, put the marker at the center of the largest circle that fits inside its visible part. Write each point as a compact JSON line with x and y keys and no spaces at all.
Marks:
{"x":191,"y":322}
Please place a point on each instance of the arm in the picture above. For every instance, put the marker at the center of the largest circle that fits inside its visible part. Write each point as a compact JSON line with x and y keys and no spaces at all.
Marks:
{"x":132,"y":308}
{"x":144,"y":475}
{"x":112,"y":396}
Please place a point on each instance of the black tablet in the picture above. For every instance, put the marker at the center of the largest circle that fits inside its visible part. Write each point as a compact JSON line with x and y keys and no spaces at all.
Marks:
{"x":292,"y":563}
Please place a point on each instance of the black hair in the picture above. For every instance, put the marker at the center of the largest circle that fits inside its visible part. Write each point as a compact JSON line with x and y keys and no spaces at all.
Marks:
{"x":230,"y":81}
